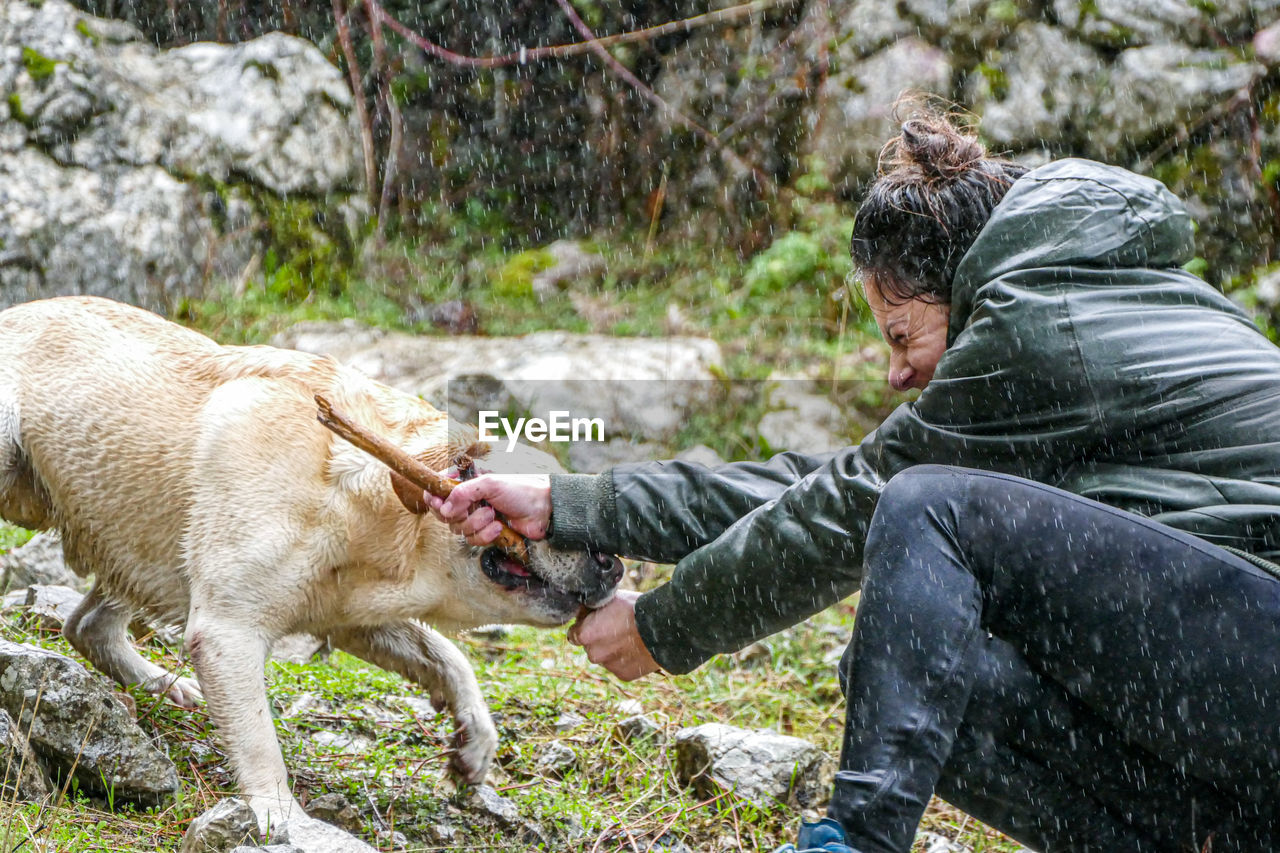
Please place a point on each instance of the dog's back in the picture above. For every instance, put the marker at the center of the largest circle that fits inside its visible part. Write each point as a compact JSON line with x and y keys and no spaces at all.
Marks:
{"x":74,"y":372}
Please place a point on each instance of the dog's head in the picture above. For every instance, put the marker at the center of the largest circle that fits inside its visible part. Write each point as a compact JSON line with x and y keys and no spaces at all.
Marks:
{"x":548,"y":589}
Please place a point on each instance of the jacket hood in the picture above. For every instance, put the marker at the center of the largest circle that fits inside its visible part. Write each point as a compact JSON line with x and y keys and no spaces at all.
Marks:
{"x":1074,"y":213}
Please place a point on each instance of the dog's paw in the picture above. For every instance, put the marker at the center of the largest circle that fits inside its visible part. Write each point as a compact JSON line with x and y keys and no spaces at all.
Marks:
{"x":475,"y":742}
{"x":183,"y":692}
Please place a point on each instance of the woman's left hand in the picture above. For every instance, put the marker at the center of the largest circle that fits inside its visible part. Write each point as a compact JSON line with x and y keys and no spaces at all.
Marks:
{"x":612,"y":640}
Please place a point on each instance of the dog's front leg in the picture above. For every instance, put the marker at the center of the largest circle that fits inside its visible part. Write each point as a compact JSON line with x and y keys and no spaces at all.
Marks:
{"x":423,"y":656}
{"x":229,"y":659}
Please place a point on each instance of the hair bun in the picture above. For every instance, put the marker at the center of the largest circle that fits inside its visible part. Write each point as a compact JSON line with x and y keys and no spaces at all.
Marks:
{"x":934,"y":146}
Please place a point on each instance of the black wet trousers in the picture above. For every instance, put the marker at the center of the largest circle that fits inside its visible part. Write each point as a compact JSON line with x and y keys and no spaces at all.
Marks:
{"x":1076,"y":676}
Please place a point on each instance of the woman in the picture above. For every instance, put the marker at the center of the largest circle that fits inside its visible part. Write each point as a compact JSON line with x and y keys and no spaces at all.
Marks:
{"x":1052,"y":635}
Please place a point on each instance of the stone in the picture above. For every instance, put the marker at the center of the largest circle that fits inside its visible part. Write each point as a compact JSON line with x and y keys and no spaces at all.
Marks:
{"x":572,"y":264}
{"x":40,"y":561}
{"x":52,"y":605}
{"x":854,"y":109}
{"x":1266,"y":45}
{"x":555,"y":759}
{"x":229,"y":824}
{"x":639,"y":729}
{"x":700,"y":454}
{"x":567,"y":722}
{"x":79,"y":722}
{"x":759,"y":766}
{"x":337,"y":810}
{"x":487,"y":804}
{"x":593,"y":457}
{"x":24,"y":777}
{"x":790,"y":429}
{"x":864,"y":28}
{"x":1154,"y":89}
{"x":641,"y":387}
{"x":1040,"y":85}
{"x":309,"y":835}
{"x":299,"y":648}
{"x":130,"y":172}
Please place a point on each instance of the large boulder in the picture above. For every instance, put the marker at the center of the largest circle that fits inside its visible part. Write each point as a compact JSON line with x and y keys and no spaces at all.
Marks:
{"x":76,"y":723}
{"x":1040,"y":87}
{"x":640,"y":387}
{"x":854,"y":111}
{"x":141,"y":174}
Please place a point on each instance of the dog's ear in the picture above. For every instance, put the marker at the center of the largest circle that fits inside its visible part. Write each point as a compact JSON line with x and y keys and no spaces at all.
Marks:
{"x":409,"y":494}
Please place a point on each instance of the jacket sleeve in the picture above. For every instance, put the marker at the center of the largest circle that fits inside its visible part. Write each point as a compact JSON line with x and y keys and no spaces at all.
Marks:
{"x":662,"y":511}
{"x":998,"y":402}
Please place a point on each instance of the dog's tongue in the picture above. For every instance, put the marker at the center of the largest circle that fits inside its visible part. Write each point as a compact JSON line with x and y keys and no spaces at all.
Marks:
{"x":514,"y":567}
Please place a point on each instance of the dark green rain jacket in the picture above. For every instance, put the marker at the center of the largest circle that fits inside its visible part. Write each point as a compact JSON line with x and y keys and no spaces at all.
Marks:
{"x":1079,"y":354}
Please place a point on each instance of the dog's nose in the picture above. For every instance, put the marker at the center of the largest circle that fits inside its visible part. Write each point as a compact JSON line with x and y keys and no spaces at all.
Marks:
{"x":609,"y":565}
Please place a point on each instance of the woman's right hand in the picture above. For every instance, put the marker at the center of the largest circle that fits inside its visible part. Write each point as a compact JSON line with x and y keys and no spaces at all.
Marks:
{"x":524,"y":500}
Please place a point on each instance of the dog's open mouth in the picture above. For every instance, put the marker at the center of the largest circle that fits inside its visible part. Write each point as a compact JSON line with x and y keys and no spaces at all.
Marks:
{"x":515,"y":576}
{"x":507,"y":572}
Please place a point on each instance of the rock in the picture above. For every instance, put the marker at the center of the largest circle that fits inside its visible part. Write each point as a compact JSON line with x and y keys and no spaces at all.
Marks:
{"x":134,"y":173}
{"x":754,"y":655}
{"x":52,"y":605}
{"x":24,"y":778}
{"x":486,"y":804}
{"x":229,"y":824}
{"x":592,"y":457}
{"x":555,"y":759}
{"x":854,"y":110}
{"x":567,"y":722}
{"x":79,"y":722}
{"x":308,"y":835}
{"x":1266,"y":45}
{"x":571,"y":264}
{"x":1153,"y":89}
{"x":390,"y":839}
{"x":337,"y":810}
{"x":40,"y":561}
{"x":639,"y":387}
{"x":864,"y":28}
{"x":345,"y":742}
{"x":1041,"y":85}
{"x":700,"y":454}
{"x":934,"y":843}
{"x":790,"y":429}
{"x":759,"y":766}
{"x":639,"y":729}
{"x":299,"y":648}
{"x":1128,"y":23}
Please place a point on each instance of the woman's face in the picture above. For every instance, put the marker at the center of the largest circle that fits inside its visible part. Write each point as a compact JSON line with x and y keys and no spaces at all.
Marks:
{"x":916,"y":331}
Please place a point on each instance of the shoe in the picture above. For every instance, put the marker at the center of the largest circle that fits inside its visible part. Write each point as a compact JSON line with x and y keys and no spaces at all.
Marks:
{"x":825,"y":836}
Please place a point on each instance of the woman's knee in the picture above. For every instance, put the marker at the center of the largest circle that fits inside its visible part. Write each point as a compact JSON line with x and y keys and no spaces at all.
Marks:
{"x":910,"y":496}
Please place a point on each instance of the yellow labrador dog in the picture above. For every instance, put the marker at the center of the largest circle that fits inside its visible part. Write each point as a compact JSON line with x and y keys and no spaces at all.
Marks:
{"x":194,"y":482}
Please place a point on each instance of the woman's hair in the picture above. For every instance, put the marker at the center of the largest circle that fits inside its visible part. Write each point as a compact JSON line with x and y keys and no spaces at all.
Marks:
{"x":934,"y":191}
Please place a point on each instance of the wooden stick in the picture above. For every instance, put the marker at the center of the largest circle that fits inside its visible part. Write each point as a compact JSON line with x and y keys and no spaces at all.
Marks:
{"x":406,"y":466}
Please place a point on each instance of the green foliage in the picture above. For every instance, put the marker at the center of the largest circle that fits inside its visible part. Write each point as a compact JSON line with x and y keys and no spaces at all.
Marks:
{"x":514,"y":279}
{"x":39,"y":67}
{"x":16,"y":112}
{"x":793,"y":260}
{"x":13,"y":537}
{"x":83,"y":28}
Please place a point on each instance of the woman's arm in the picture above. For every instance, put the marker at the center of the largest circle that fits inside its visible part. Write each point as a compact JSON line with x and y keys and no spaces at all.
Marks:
{"x":662,"y":511}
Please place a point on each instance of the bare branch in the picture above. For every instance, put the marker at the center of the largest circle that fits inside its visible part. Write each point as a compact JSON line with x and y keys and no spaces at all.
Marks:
{"x":563,"y":51}
{"x":357,"y":93}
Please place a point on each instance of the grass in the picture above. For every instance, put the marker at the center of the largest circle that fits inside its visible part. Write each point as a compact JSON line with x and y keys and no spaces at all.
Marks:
{"x":347,"y":727}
